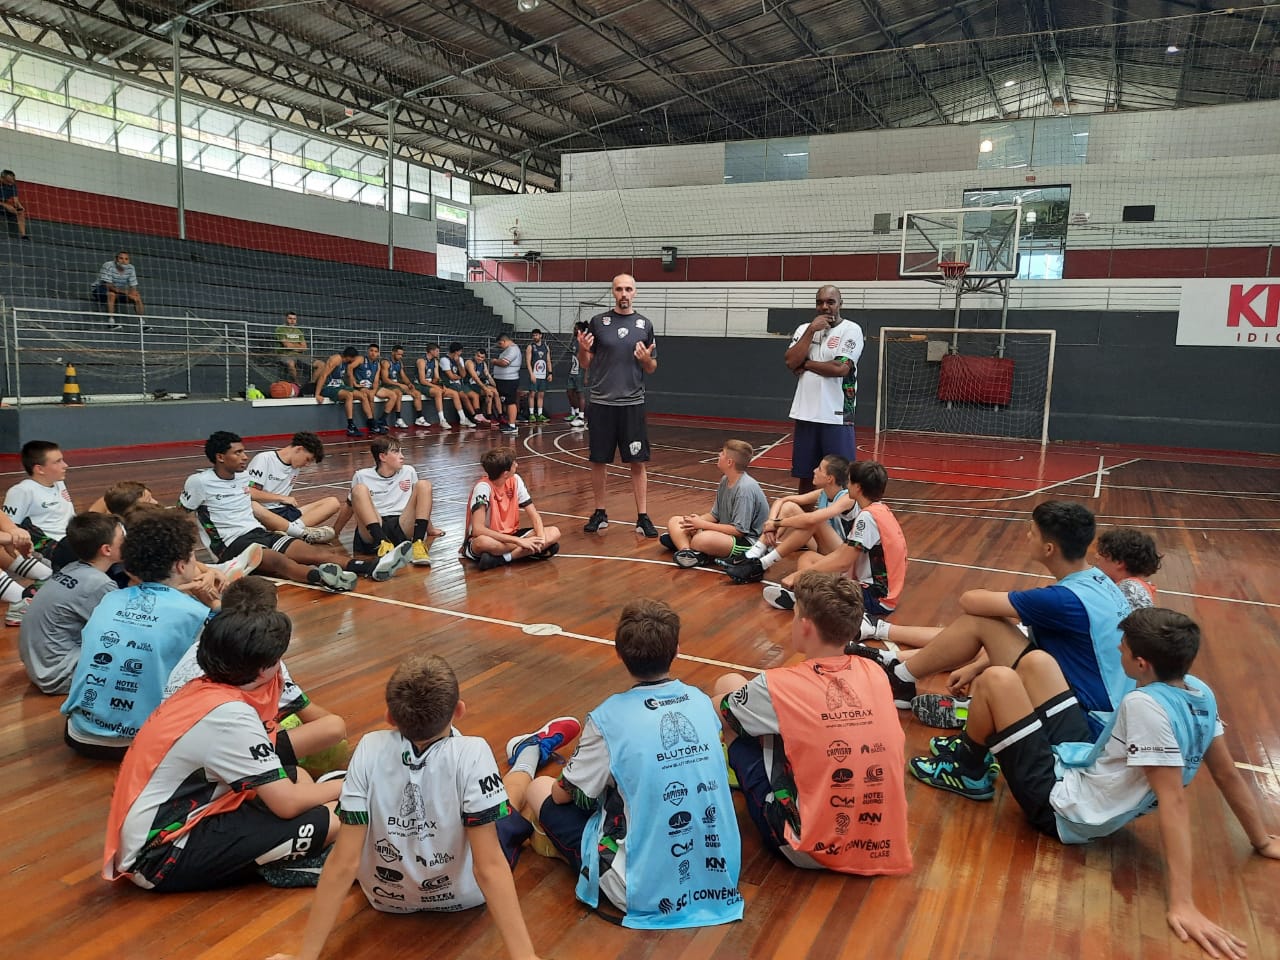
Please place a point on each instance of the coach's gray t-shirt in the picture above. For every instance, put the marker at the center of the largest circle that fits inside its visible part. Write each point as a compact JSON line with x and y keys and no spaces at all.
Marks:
{"x":512,"y":370}
{"x":616,"y":377}
{"x":49,"y":641}
{"x":744,"y":505}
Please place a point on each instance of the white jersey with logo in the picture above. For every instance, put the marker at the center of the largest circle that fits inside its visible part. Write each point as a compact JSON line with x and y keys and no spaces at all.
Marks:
{"x":418,"y":807}
{"x":222,"y":506}
{"x":48,"y":508}
{"x":820,"y":399}
{"x":391,"y":494}
{"x":188,"y":669}
{"x":268,"y":472}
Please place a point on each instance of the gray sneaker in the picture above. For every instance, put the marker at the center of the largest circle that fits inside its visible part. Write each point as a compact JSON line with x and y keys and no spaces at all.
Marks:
{"x":319,"y":534}
{"x":392,"y":561}
{"x":335,"y":578}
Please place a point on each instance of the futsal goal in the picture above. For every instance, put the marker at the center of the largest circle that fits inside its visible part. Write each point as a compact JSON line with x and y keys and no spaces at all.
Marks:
{"x":980,"y":383}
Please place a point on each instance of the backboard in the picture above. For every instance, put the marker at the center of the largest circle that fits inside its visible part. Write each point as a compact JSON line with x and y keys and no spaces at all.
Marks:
{"x":986,"y":238}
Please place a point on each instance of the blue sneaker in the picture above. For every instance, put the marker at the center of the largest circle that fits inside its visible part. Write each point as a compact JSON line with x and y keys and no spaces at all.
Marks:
{"x":943,"y":772}
{"x":553,"y":735}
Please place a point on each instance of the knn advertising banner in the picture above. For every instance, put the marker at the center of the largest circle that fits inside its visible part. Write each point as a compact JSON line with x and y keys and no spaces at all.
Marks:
{"x":1230,"y":313}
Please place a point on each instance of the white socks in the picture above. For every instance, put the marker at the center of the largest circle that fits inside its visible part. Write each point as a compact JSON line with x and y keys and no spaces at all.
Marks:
{"x":10,"y":589}
{"x":33,"y":568}
{"x":758,"y":550}
{"x":902,"y":673}
{"x":770,"y":558}
{"x":297,"y":528}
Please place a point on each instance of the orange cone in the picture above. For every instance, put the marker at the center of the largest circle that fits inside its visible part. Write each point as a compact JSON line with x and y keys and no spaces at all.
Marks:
{"x":70,"y":388}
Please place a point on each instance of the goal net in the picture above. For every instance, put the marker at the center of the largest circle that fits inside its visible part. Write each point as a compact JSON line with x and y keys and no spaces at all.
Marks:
{"x":982,"y":383}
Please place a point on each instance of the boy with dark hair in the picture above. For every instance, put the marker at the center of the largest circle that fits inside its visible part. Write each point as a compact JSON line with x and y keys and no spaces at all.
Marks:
{"x":49,"y":641}
{"x":818,"y":519}
{"x":430,"y":381}
{"x":316,"y":736}
{"x":874,"y":551}
{"x":821,"y":738}
{"x":1076,"y":621}
{"x":272,"y":475}
{"x":1129,"y":557}
{"x":493,"y":534}
{"x":1077,"y":789}
{"x":480,"y":380}
{"x":332,"y":385}
{"x":573,"y":383}
{"x":453,"y":375}
{"x":121,"y":495}
{"x":444,"y":836}
{"x":206,"y":796}
{"x":395,"y":379}
{"x":134,"y":638}
{"x":736,"y":516}
{"x":642,"y":811}
{"x":225,"y":516}
{"x":394,"y":506}
{"x":537,"y":358}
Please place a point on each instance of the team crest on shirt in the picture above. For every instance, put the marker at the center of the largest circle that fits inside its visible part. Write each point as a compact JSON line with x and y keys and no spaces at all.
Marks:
{"x":833,"y":342}
{"x":411,"y":805}
{"x":406,"y":484}
{"x":640,"y":323}
{"x":66,"y":495}
{"x":605,"y":320}
{"x":622,"y":332}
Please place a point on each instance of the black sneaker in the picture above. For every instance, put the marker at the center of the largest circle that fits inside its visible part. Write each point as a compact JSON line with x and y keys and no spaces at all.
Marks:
{"x":645,"y":526}
{"x":598,"y":523}
{"x":750,"y":570}
{"x":488,"y":561}
{"x":904,"y":691}
{"x":546,"y":553}
{"x":687,"y":559}
{"x":667,"y":542}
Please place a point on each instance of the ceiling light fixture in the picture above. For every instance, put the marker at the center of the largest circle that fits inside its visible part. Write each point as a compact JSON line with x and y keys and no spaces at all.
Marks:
{"x":1008,"y":83}
{"x":526,"y":6}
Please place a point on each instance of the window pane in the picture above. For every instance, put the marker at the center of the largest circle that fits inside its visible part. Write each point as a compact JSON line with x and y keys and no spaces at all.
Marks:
{"x":37,"y":72}
{"x":251,"y":131}
{"x":140,"y":101}
{"x":318,"y":150}
{"x":91,"y":87}
{"x":744,"y":162}
{"x":441,"y":184}
{"x":344,"y":189}
{"x":374,"y":196}
{"x":419,"y":178}
{"x":317,"y":182}
{"x":218,"y":123}
{"x":219,"y":159}
{"x":286,"y":145}
{"x":93,"y":130}
{"x":255,"y":169}
{"x":400,"y":201}
{"x":138,"y":140}
{"x":42,"y":117}
{"x":462,"y":189}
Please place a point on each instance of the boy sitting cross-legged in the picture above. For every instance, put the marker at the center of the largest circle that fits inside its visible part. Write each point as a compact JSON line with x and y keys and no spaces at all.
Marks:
{"x":494,"y":535}
{"x":642,"y":812}
{"x":1075,"y":788}
{"x":735,"y":520}
{"x":426,"y":823}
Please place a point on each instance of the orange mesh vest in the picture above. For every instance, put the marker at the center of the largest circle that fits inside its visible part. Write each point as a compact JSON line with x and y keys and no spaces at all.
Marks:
{"x":170,"y":721}
{"x":893,"y":546}
{"x":846,"y":749}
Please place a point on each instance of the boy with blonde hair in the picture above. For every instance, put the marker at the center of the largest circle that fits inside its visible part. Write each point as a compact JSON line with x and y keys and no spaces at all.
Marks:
{"x":735,"y":520}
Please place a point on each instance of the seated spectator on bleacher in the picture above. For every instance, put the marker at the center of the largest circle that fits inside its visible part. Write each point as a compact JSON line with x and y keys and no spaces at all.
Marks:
{"x":134,"y":638}
{"x":293,"y":346}
{"x":10,"y":203}
{"x":49,"y":642}
{"x":117,"y":278}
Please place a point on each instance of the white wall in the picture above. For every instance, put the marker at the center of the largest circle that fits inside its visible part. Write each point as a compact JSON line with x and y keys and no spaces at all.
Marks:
{"x":74,"y":167}
{"x":1219,"y":164}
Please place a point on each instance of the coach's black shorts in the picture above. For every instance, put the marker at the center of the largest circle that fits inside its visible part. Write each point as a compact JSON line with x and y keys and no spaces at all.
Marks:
{"x":618,"y":428}
{"x":1025,"y":752}
{"x":508,"y":390}
{"x":270,"y":540}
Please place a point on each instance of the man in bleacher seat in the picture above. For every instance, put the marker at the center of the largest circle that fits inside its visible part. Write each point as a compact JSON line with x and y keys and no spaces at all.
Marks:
{"x":117,"y":278}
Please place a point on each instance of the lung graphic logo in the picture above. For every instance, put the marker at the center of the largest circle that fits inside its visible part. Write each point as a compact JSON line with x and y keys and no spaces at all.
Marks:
{"x":674,"y":727}
{"x":411,"y":805}
{"x":839,"y":692}
{"x":143,"y":602}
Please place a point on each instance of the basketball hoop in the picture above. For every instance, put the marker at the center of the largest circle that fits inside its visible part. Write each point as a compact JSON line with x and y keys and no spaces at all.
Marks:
{"x":953,"y":273}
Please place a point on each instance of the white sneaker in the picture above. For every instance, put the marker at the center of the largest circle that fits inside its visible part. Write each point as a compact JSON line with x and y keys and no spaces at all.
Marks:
{"x":318,"y":534}
{"x":17,"y":610}
{"x":469,"y":423}
{"x":243,"y":564}
{"x":445,"y":424}
{"x":391,"y":561}
{"x":779,"y":597}
{"x":481,"y":418}
{"x":421,"y":422}
{"x":400,"y":424}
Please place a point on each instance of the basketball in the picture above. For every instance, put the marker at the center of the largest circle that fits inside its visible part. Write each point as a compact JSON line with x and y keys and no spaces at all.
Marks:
{"x":283,"y":388}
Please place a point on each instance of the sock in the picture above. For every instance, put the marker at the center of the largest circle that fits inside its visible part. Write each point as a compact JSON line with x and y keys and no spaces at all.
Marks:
{"x":420,"y":529}
{"x":527,"y":759}
{"x":361,"y":567}
{"x":376,"y":536}
{"x":770,"y":558}
{"x":296,"y":528}
{"x":882,"y":630}
{"x":33,"y":568}
{"x":902,"y":673}
{"x":539,"y":411}
{"x":972,"y":756}
{"x":758,"y":550}
{"x":350,"y":423}
{"x":10,"y":589}
{"x":506,"y":557}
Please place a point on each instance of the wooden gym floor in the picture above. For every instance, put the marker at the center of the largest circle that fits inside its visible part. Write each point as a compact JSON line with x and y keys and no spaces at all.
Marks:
{"x":984,"y":886}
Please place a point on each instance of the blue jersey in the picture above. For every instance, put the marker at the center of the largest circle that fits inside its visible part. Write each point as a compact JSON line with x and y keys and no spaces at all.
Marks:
{"x":394,"y":368}
{"x":132,"y":641}
{"x":429,"y":365}
{"x":540,"y":357}
{"x":365,"y":372}
{"x":683,"y":849}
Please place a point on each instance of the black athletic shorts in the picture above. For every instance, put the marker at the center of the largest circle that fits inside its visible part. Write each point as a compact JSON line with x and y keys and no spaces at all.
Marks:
{"x":269,"y":539}
{"x":286,"y":510}
{"x":1025,"y":752}
{"x":228,"y":848}
{"x":508,"y":390}
{"x":618,"y":428}
{"x":391,"y":530}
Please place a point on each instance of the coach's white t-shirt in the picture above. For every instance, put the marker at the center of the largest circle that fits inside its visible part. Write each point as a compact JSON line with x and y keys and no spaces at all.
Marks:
{"x":821,"y":399}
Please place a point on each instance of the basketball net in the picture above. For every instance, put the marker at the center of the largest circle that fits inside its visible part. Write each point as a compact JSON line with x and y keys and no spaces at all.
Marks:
{"x":953,"y":273}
